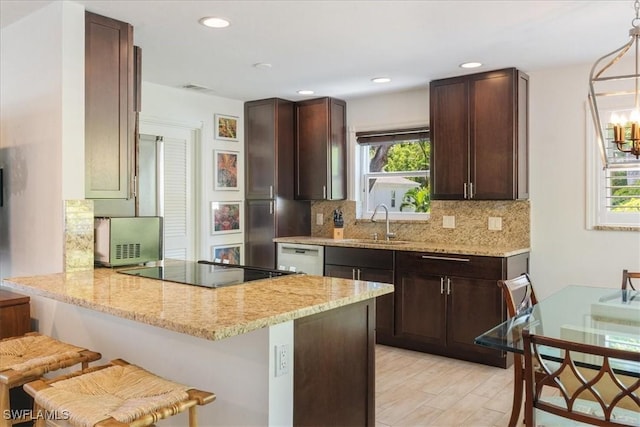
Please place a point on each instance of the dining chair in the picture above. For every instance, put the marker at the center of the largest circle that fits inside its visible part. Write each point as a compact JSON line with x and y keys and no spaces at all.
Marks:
{"x":518,"y":295}
{"x":626,"y":279}
{"x":585,"y":394}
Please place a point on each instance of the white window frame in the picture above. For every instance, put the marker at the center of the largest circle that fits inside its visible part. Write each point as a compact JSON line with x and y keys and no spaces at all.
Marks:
{"x":363,"y":213}
{"x":598,"y":216}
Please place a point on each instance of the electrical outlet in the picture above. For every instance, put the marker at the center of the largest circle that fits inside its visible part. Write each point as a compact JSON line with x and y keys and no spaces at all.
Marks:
{"x":448,"y":221}
{"x":319,"y":219}
{"x":495,"y":223}
{"x":281,"y":360}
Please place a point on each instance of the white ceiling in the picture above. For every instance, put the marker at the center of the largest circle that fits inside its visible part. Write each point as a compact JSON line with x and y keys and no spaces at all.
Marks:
{"x":336,"y":47}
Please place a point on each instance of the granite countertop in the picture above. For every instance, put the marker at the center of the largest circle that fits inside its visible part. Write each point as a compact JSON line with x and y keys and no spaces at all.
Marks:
{"x":207,"y":313}
{"x":405,"y":245}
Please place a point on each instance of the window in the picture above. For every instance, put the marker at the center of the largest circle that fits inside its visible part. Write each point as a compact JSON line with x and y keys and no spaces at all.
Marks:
{"x":395,"y":172}
{"x":613,"y":193}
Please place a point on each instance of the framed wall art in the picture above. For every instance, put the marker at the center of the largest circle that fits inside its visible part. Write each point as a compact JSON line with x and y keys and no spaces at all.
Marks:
{"x":226,"y":217}
{"x":227,"y":254}
{"x":225,"y":175}
{"x":226,"y":127}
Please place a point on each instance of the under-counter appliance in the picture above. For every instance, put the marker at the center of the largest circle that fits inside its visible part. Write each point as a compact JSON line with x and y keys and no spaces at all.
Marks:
{"x":301,"y":258}
{"x":204,"y":273}
{"x":127,"y":240}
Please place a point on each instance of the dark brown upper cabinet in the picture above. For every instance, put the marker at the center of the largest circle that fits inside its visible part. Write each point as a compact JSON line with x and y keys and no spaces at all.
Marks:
{"x":111,"y":103}
{"x":269,"y":148}
{"x":321,"y":149}
{"x":479,"y":136}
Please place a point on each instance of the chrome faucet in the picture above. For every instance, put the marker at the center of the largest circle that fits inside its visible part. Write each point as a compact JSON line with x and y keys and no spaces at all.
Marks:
{"x":389,"y":234}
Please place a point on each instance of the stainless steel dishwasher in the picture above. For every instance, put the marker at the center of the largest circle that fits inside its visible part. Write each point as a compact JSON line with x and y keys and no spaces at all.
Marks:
{"x":301,"y":258}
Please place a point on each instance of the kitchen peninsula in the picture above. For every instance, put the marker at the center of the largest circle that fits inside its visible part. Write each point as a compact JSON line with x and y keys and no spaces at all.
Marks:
{"x":224,"y":340}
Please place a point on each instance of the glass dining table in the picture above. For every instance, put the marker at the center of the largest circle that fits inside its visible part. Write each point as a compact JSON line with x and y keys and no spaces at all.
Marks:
{"x":598,"y":316}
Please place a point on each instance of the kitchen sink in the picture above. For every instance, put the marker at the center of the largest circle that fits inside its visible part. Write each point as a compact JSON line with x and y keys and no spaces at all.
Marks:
{"x":378,"y":241}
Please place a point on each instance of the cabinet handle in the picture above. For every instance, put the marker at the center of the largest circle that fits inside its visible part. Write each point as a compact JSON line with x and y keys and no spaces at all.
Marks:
{"x":471,"y":190}
{"x":448,"y":286}
{"x":441,"y":285}
{"x":271,"y":191}
{"x":445,"y":258}
{"x":358,"y":274}
{"x":270,"y":208}
{"x":353,"y":274}
{"x":465,"y":190}
{"x":324,"y":191}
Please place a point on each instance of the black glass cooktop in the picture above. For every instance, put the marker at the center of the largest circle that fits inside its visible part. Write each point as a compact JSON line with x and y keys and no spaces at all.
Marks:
{"x":204,"y":273}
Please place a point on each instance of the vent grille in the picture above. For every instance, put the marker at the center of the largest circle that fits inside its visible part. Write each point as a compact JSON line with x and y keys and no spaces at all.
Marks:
{"x":128,"y":251}
{"x":197,"y":88}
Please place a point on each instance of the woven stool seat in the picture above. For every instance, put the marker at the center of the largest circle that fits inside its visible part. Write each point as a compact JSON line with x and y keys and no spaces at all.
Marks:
{"x":28,"y":357}
{"x":117,"y":394}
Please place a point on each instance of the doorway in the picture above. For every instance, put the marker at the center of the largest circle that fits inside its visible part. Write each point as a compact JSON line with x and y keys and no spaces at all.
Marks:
{"x":166,"y":185}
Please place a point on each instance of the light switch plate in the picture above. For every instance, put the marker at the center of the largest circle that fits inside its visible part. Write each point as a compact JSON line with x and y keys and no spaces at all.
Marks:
{"x":319,"y":219}
{"x":448,"y":221}
{"x":495,"y":223}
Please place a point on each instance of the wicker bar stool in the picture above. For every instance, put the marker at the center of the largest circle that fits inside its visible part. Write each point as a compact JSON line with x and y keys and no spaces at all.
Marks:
{"x":28,"y":357}
{"x":114,"y":395}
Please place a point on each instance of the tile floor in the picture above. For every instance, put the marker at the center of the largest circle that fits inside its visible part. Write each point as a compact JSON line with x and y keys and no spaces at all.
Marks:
{"x":415,"y":389}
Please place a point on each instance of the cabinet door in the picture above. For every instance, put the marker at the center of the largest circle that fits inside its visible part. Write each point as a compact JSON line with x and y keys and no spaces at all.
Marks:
{"x":474,"y":307}
{"x":384,"y":303}
{"x":260,"y":128}
{"x":340,"y":271}
{"x":109,"y":105}
{"x":260,"y":250}
{"x":420,"y":308}
{"x":492,"y":124}
{"x":449,"y":139}
{"x":320,"y":154}
{"x":337,"y":162}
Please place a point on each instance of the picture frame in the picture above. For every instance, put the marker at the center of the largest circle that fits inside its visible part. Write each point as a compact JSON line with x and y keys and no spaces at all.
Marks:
{"x":225,"y":127}
{"x":227,"y":254}
{"x":225,"y":175}
{"x":226,"y":217}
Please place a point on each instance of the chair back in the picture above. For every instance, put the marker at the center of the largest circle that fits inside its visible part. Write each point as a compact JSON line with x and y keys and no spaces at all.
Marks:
{"x":626,"y":279}
{"x":586,"y":395}
{"x":518,"y":294}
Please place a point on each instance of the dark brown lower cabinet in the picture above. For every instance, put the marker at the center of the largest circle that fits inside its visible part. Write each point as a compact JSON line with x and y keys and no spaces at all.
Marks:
{"x":374,"y":265}
{"x":442,"y":302}
{"x":15,"y":316}
{"x":334,"y":367}
{"x":267,"y":219}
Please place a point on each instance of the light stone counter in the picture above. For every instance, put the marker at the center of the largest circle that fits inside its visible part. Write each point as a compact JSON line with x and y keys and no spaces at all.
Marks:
{"x":449,"y":248}
{"x":212,"y":314}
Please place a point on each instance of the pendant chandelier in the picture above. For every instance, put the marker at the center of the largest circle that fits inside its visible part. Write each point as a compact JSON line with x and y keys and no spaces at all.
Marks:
{"x":614,"y":91}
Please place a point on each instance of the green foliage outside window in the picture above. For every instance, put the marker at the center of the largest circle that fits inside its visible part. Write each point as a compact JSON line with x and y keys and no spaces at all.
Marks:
{"x":626,"y":192}
{"x":402,"y":157}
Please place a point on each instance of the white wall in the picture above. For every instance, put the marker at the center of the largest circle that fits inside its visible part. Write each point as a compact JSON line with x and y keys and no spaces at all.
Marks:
{"x":563,"y":251}
{"x":188,"y":107}
{"x":41,"y":133}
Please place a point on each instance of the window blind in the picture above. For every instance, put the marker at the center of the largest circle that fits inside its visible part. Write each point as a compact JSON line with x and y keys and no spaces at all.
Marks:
{"x":392,"y":136}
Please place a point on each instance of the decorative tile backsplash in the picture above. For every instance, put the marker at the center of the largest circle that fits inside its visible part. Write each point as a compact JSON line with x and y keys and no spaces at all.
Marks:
{"x":471,"y":223}
{"x":78,"y":235}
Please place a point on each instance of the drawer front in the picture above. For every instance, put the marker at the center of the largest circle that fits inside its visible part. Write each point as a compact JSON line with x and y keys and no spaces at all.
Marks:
{"x":450,"y":265}
{"x":359,"y":257}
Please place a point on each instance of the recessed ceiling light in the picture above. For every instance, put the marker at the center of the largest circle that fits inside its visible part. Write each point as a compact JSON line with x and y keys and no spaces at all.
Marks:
{"x":471,"y":65}
{"x":262,"y":65}
{"x":381,"y":80}
{"x":214,"y":22}
{"x":305,"y":92}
